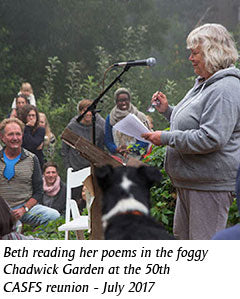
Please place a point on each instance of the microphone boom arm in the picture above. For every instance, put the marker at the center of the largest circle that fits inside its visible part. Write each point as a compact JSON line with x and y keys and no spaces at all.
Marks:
{"x":93,"y":106}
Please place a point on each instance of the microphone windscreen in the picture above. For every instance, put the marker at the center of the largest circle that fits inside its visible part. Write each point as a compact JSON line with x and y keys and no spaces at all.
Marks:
{"x":151,"y":61}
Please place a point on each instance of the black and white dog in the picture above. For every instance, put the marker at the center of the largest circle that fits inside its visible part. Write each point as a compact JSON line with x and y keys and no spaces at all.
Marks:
{"x":126,"y":203}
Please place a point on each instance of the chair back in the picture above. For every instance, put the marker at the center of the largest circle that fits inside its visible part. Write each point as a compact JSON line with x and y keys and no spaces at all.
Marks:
{"x":74,"y":179}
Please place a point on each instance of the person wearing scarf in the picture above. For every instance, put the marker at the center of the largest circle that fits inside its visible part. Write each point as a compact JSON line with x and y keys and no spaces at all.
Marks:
{"x":54,"y":189}
{"x":115,"y":141}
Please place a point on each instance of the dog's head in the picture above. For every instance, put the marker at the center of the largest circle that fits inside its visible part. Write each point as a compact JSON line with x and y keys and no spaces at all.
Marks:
{"x":126,"y":188}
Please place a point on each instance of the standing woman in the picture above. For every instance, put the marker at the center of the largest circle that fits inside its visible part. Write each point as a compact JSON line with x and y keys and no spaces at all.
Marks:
{"x":203,"y":144}
{"x":115,"y":141}
{"x":33,"y":137}
{"x":26,"y":90}
{"x":49,"y":138}
{"x":21,"y":101}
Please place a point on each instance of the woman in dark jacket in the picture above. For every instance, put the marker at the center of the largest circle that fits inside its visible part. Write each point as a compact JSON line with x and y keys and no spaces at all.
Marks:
{"x":33,"y":137}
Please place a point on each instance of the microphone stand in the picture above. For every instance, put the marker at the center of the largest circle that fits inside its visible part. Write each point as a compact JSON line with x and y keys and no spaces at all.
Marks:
{"x":93,"y":106}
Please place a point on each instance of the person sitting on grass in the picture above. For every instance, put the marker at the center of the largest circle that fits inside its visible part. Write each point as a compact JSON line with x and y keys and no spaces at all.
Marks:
{"x":21,"y":183}
{"x":54,"y":195}
{"x":8,"y":224}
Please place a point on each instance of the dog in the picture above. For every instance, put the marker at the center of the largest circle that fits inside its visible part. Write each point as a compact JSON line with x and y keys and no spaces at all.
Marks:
{"x":126,"y":203}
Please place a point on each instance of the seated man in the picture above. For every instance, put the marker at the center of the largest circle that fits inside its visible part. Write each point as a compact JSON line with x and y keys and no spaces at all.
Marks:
{"x":21,"y":184}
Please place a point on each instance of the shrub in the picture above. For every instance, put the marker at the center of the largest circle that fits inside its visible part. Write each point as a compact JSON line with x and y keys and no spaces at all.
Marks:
{"x":163,"y":196}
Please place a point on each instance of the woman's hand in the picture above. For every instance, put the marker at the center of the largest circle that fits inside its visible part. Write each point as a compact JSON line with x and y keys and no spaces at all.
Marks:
{"x":161,"y":99}
{"x":18,"y":213}
{"x":40,"y":147}
{"x":31,"y":123}
{"x":13,"y":113}
{"x":154,"y":137}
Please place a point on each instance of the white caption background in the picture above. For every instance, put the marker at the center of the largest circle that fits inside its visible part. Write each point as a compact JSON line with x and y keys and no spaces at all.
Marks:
{"x":123,"y":269}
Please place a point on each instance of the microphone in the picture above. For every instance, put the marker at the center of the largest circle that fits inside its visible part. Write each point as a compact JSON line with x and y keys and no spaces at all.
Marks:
{"x":145,"y":62}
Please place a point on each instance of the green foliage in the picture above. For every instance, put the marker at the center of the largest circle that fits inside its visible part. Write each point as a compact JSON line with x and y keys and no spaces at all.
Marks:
{"x":60,"y":28}
{"x":8,"y":84}
{"x":59,"y":111}
{"x":163,"y":196}
{"x":52,"y":70}
{"x":73,"y":84}
{"x":133,"y":38}
{"x":48,"y":232}
{"x":233,"y":216}
{"x":79,"y":53}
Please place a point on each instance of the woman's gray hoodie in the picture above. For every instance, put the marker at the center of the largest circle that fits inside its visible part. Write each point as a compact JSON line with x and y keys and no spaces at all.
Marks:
{"x":203,"y":150}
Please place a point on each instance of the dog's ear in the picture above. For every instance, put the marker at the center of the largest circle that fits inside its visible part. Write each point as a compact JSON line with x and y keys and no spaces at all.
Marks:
{"x":151,"y":174}
{"x":103,"y":175}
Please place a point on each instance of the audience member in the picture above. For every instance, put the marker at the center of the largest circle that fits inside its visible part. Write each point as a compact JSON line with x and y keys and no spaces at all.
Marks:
{"x":54,"y":189}
{"x":33,"y":138}
{"x":82,"y":203}
{"x":8,"y":224}
{"x":21,"y":101}
{"x":21,"y":183}
{"x":115,"y":141}
{"x":87,"y":198}
{"x":26,"y":89}
{"x":49,"y":138}
{"x":71,"y":156}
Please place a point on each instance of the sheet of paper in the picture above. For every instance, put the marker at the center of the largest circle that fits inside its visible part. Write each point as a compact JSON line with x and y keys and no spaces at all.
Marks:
{"x":132,"y":126}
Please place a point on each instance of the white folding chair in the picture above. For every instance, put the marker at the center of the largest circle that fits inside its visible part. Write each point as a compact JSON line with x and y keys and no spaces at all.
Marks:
{"x":79,"y":223}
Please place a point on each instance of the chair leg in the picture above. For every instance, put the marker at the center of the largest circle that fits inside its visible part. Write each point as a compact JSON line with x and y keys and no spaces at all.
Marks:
{"x":79,"y":234}
{"x":67,"y":235}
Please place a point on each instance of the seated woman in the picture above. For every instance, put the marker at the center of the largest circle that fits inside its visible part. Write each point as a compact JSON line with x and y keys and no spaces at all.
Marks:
{"x":115,"y":141}
{"x":33,"y":137}
{"x":8,"y":224}
{"x":54,"y":189}
{"x":49,"y":138}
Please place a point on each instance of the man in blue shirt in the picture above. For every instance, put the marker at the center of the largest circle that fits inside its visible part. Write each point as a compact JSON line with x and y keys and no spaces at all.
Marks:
{"x":21,"y":183}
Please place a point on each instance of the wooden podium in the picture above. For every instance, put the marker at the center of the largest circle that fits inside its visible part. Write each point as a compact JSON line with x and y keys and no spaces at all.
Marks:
{"x":97,"y":158}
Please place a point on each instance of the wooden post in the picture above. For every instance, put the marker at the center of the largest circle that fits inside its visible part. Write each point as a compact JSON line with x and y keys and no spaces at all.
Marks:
{"x":97,"y":158}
